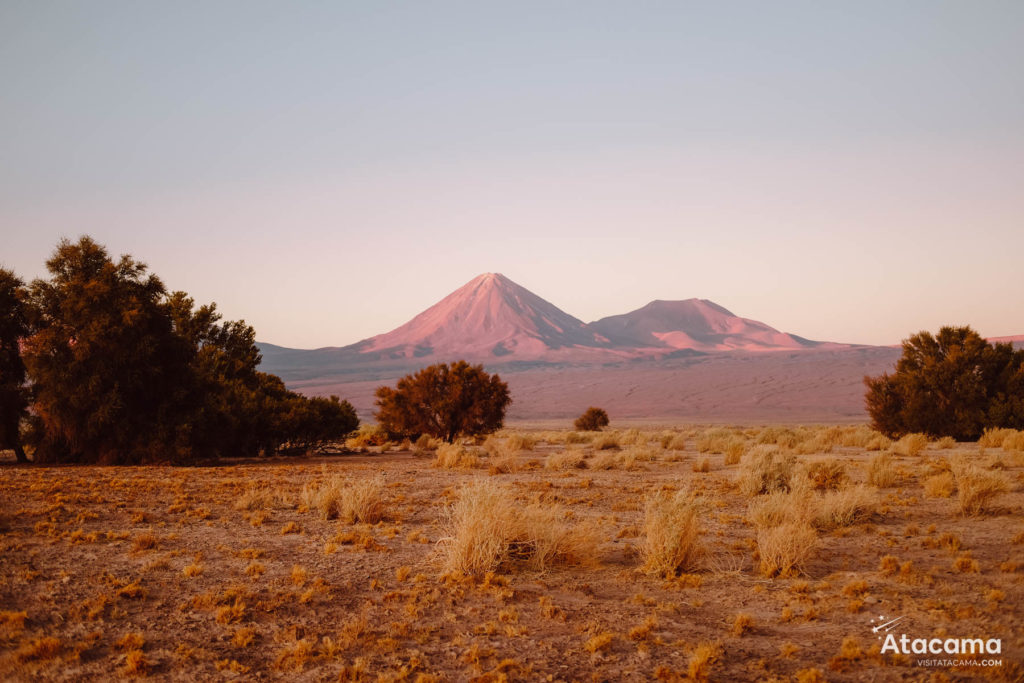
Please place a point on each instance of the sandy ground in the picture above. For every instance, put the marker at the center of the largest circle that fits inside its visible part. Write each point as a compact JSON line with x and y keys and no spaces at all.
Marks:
{"x":155,"y":571}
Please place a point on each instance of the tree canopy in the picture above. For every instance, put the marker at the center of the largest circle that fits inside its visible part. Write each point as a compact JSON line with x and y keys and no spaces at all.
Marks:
{"x":592,"y":420}
{"x":14,"y":395}
{"x":444,"y":401}
{"x":952,"y":384}
{"x":120,"y":371}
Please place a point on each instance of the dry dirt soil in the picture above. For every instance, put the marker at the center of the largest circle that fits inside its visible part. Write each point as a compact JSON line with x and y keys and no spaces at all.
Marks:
{"x":222,"y":572}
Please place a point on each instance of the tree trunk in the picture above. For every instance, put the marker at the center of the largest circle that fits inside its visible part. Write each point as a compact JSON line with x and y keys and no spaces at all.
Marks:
{"x":19,"y":453}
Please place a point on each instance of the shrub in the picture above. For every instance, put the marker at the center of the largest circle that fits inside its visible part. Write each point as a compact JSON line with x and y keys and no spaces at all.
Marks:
{"x":765,"y":469}
{"x":445,"y":401}
{"x":785,"y":549}
{"x":1014,"y":442}
{"x":993,"y":437}
{"x":939,"y":486}
{"x":676,"y":443}
{"x":124,"y":372}
{"x":671,"y":533}
{"x":734,"y":450}
{"x":348,"y":500}
{"x":782,"y":507}
{"x":881,"y":472}
{"x":592,"y":420}
{"x":837,"y":509}
{"x":368,"y":436}
{"x":455,"y":456}
{"x":576,"y":437}
{"x":14,"y":328}
{"x":953,"y":384}
{"x":605,"y":442}
{"x":878,"y":442}
{"x":566,"y":460}
{"x":977,"y":488}
{"x":827,"y":474}
{"x":486,"y":528}
{"x":910,"y":444}
{"x":714,"y":440}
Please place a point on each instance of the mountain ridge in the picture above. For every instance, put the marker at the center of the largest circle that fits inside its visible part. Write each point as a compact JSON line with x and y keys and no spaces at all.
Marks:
{"x":497,"y":321}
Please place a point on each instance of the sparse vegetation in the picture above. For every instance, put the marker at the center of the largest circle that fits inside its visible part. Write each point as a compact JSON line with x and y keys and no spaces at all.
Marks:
{"x":445,"y":401}
{"x":593,"y":419}
{"x":671,"y":533}
{"x":487,"y":529}
{"x":207,"y":572}
{"x":952,"y":384}
{"x":977,"y":488}
{"x":347,"y":500}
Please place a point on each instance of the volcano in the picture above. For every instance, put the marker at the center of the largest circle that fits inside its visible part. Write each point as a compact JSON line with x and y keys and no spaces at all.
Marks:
{"x":489,"y":317}
{"x":492,"y":319}
{"x":696,"y":324}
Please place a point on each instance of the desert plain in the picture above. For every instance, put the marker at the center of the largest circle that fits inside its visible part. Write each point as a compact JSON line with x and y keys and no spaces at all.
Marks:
{"x":533,"y":555}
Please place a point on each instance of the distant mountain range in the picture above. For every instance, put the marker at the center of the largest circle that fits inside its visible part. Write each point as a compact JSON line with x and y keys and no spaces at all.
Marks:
{"x":495,"y":320}
{"x":692,"y":360}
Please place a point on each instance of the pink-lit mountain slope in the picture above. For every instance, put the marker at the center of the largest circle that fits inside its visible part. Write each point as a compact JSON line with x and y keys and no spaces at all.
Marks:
{"x":489,"y":317}
{"x":696,"y":324}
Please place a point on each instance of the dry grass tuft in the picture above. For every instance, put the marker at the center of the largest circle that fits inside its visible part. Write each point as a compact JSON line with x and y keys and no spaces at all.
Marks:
{"x":566,"y":460}
{"x":852,"y":505}
{"x":977,"y":488}
{"x":911,"y":444}
{"x":785,"y":549}
{"x":878,"y":443}
{"x":701,"y":659}
{"x":39,"y":649}
{"x":827,"y":475}
{"x":715,"y":440}
{"x":881,"y":471}
{"x":742,"y":624}
{"x":345,"y":499}
{"x":765,"y":469}
{"x":486,"y":527}
{"x":994,"y":437}
{"x":671,"y":533}
{"x":255,"y":498}
{"x":735,"y":451}
{"x":455,"y":457}
{"x":604,"y":442}
{"x":940,"y":485}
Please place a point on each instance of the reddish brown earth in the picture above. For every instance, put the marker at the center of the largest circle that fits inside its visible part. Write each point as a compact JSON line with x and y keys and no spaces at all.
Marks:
{"x":109,"y":572}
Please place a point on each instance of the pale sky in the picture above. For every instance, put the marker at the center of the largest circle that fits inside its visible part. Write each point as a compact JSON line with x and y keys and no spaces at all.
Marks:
{"x":845,"y":171}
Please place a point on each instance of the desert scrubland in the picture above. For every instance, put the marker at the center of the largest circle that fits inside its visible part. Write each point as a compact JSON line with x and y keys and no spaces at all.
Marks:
{"x":677,"y":553}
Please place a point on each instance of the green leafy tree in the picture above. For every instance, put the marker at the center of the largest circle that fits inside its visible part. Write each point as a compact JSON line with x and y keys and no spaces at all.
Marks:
{"x":14,"y":394}
{"x":312,"y":422}
{"x":105,"y":361}
{"x":592,"y":420}
{"x":952,"y":384}
{"x":125,"y":373}
{"x":445,"y":401}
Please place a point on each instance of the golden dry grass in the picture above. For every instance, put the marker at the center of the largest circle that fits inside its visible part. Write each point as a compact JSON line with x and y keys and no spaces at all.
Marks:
{"x":977,"y":489}
{"x":911,"y":444}
{"x":671,"y":528}
{"x":345,"y":499}
{"x":485,"y":527}
{"x":455,"y":456}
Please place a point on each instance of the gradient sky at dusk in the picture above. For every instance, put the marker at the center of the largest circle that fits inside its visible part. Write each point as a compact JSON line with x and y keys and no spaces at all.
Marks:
{"x":844,"y":171}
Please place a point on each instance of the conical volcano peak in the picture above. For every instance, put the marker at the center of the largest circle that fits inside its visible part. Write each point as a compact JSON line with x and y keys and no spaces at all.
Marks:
{"x":489,"y":316}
